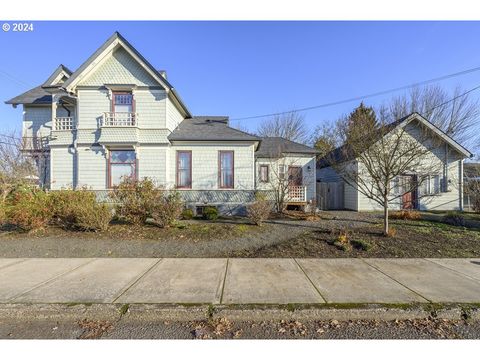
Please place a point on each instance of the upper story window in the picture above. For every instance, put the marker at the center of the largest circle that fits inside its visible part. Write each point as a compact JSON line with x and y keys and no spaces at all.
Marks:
{"x":184,"y":169}
{"x":263,"y":173}
{"x":122,"y":102}
{"x":225,"y":169}
{"x":122,"y":163}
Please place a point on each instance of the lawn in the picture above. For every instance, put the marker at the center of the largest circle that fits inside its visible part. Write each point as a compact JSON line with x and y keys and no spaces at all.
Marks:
{"x":290,"y":236}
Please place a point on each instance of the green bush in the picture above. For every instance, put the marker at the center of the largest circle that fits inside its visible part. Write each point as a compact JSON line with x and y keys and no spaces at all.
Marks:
{"x":453,"y":218}
{"x":136,"y":200}
{"x":361,"y":244}
{"x":79,"y":210}
{"x":210,"y":213}
{"x":187,"y":214}
{"x":29,"y":208}
{"x":93,"y":217}
{"x":168,"y":209}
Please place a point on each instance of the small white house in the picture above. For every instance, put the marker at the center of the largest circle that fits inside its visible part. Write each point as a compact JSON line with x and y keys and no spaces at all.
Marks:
{"x":117,"y":115}
{"x":441,"y":190}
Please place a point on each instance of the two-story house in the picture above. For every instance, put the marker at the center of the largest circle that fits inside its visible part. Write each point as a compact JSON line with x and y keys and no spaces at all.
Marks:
{"x":117,"y":116}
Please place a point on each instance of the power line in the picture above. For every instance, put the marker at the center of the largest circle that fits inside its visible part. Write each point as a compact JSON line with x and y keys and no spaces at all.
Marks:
{"x":356,"y":98}
{"x":14,"y":78}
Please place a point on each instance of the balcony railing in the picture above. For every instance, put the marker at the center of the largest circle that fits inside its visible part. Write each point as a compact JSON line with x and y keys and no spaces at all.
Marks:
{"x":297,"y":194}
{"x":35,"y":143}
{"x":121,"y":119}
{"x":64,"y":123}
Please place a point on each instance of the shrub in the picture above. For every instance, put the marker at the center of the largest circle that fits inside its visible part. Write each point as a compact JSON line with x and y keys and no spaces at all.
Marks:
{"x":392,"y":232}
{"x":93,"y":217}
{"x":29,"y":209}
{"x":135,"y":200}
{"x":361,"y":244}
{"x":168,"y":209}
{"x":405,"y":215}
{"x":342,"y":241}
{"x":187,"y":214}
{"x":453,"y":218}
{"x":210,"y":213}
{"x":259,"y":210}
{"x":78,"y":209}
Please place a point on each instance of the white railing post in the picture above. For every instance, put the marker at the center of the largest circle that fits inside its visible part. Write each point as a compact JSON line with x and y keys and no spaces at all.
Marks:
{"x":120,"y":119}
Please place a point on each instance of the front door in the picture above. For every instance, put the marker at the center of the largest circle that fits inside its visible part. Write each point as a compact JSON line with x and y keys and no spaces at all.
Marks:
{"x":295,"y":176}
{"x":409,"y":198}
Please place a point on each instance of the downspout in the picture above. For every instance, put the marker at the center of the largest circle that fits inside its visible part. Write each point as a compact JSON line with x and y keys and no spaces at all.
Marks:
{"x":445,"y":185}
{"x":460,"y":184}
{"x":66,"y":109}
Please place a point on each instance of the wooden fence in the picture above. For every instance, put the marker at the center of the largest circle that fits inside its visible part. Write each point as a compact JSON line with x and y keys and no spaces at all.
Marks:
{"x":330,"y":195}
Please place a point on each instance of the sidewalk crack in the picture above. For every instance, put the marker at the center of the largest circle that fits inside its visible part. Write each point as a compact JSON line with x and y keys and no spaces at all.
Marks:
{"x":310,"y":280}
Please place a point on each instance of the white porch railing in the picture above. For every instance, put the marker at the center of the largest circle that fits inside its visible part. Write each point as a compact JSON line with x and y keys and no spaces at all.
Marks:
{"x":34,"y":143}
{"x":122,"y":119}
{"x":297,"y":194}
{"x":64,"y":123}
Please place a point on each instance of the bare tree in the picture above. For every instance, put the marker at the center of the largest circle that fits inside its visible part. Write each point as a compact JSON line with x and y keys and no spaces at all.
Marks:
{"x":290,"y":126}
{"x":378,"y":158}
{"x":472,"y":186}
{"x":456,"y":114}
{"x":326,"y":138}
{"x":15,"y":167}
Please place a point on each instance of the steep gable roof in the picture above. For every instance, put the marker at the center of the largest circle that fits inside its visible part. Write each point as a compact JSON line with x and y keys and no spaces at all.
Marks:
{"x":276,"y":146}
{"x":344,"y":153}
{"x":53,"y":80}
{"x":208,"y":128}
{"x":118,"y":40}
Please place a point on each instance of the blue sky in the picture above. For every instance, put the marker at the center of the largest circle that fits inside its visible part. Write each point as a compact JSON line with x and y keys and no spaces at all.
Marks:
{"x":247,"y":68}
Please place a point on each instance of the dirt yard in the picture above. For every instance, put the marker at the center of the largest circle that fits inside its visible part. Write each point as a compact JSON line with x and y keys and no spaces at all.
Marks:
{"x":334,"y":234}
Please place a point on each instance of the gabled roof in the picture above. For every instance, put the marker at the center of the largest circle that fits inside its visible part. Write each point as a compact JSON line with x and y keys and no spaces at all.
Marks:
{"x":345,"y":153}
{"x":209,"y":128}
{"x":276,"y":146}
{"x":117,"y":37}
{"x":61,"y":69}
{"x":40,"y":95}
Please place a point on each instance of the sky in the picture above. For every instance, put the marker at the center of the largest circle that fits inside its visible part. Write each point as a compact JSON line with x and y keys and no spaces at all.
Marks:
{"x":243,"y":69}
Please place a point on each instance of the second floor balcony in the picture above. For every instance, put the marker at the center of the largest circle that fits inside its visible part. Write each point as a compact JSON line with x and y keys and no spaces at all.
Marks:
{"x":64,"y":123}
{"x":34,"y":143}
{"x":120,"y":119}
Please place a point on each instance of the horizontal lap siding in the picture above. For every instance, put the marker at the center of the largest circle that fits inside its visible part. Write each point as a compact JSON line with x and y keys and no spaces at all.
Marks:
{"x":173,"y":116}
{"x":62,"y":168}
{"x":150,"y":105}
{"x":302,"y":161}
{"x":92,"y":104}
{"x":152,"y":162}
{"x":205,"y":165}
{"x":92,"y":166}
{"x":37,"y":121}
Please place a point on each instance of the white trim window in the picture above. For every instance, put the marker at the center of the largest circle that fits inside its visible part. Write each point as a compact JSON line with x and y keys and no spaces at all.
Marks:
{"x":281,"y":171}
{"x":430,"y":185}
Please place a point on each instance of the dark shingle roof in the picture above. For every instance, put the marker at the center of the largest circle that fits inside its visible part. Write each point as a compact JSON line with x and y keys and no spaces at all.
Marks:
{"x":37,"y":95}
{"x":345,"y":153}
{"x":204,"y":128}
{"x":275,"y":146}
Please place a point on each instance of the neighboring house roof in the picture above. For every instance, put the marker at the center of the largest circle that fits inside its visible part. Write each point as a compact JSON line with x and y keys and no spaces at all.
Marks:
{"x":275,"y":146}
{"x":345,"y":153}
{"x":208,"y":128}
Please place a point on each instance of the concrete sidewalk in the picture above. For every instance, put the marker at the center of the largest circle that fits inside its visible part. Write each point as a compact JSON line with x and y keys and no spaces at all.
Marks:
{"x":239,"y":281}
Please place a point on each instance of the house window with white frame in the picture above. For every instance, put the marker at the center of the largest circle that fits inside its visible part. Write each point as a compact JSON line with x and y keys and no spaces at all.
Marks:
{"x":430,"y":185}
{"x":263,"y":173}
{"x":281,"y":171}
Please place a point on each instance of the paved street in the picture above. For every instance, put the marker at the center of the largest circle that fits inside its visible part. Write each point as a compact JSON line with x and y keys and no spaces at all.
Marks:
{"x":239,"y":281}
